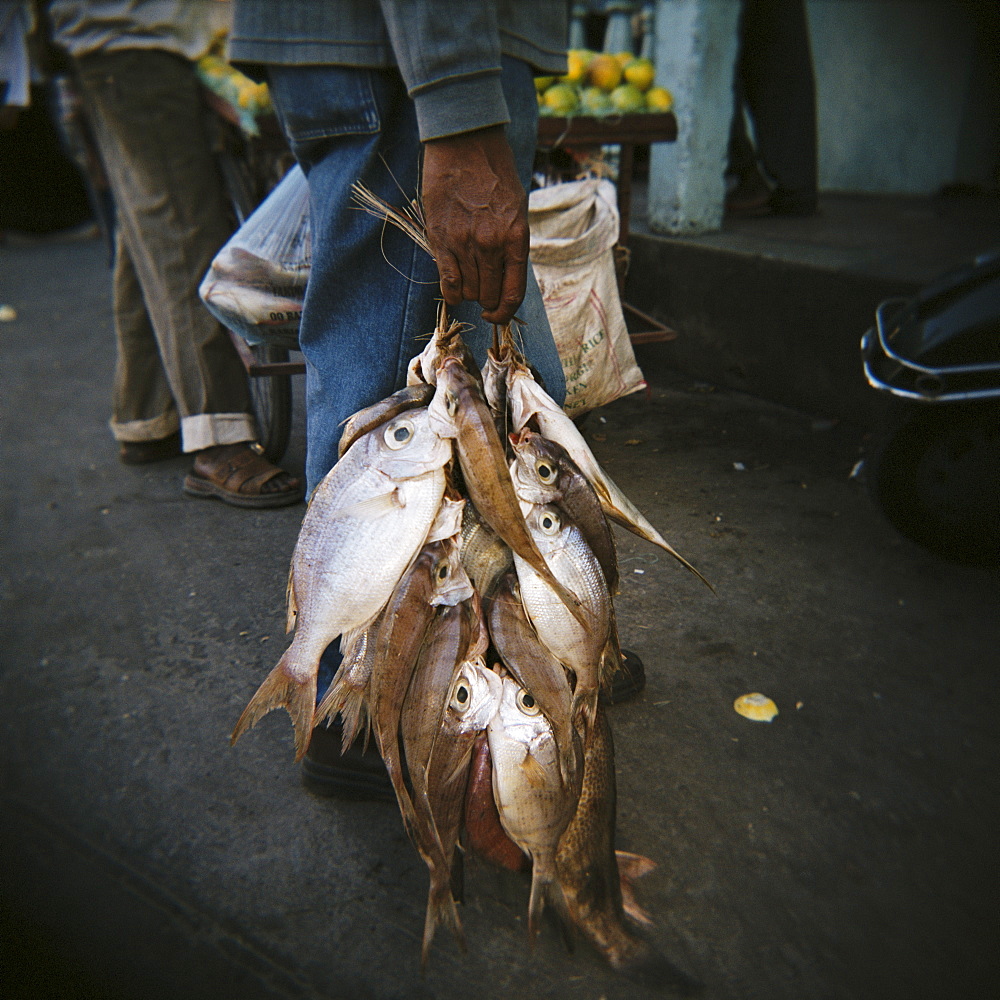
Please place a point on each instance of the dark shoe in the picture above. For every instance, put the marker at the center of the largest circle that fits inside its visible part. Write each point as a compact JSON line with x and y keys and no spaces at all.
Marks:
{"x":357,"y":774}
{"x":793,"y":203}
{"x":628,"y":681}
{"x":750,"y":199}
{"x":144,"y":452}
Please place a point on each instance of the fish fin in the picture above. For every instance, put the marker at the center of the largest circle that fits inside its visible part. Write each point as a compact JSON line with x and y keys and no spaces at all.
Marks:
{"x":355,"y":717}
{"x":534,"y":773}
{"x":290,"y":601}
{"x":281,"y":690}
{"x":372,"y":507}
{"x":630,"y":868}
{"x":441,"y":909}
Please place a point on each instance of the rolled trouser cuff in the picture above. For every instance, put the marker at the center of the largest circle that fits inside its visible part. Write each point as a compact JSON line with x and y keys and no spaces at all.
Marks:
{"x":208,"y":429}
{"x":153,"y":429}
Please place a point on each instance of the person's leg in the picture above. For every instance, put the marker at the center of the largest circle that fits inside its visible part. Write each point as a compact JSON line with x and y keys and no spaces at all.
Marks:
{"x":142,"y":405}
{"x":777,"y":74}
{"x":170,"y":209}
{"x":372,"y":294}
{"x":147,"y":116}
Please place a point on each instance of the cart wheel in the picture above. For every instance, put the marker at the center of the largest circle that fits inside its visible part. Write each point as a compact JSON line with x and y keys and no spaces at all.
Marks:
{"x":937,"y":479}
{"x":271,"y":396}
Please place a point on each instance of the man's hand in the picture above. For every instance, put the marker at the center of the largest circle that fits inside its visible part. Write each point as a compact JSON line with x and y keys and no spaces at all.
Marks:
{"x":476,"y":215}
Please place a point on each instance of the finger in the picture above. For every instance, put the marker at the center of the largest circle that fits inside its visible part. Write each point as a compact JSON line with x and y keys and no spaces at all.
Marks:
{"x":515,"y":281}
{"x":450,"y":274}
{"x":490,"y":283}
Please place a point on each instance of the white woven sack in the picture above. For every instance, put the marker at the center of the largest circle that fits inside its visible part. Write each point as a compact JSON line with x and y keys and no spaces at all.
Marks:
{"x":574,"y":227}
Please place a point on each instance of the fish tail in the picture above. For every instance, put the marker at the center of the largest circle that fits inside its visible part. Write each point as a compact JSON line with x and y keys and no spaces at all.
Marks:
{"x":282,"y":689}
{"x":630,"y":868}
{"x":441,"y":909}
{"x":638,"y":525}
{"x":544,"y":890}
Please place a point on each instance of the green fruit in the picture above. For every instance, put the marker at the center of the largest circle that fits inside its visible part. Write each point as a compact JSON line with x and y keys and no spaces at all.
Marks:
{"x":627,"y":99}
{"x":560,"y":99}
{"x":593,"y":101}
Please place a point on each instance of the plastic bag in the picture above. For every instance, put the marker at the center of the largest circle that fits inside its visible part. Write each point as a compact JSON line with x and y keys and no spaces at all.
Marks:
{"x":257,"y":281}
{"x":574,"y":228}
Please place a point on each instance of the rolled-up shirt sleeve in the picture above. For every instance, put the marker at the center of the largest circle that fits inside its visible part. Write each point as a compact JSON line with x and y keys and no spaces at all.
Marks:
{"x":448,"y":53}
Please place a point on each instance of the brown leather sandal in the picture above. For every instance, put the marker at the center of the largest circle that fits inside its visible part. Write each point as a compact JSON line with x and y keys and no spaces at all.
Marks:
{"x":237,"y":479}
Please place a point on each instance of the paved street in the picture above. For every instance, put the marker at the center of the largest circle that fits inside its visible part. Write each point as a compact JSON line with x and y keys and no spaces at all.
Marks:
{"x":846,"y":850}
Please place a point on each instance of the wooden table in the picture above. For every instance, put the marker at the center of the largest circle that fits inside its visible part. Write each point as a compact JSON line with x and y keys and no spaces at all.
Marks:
{"x":626,"y":131}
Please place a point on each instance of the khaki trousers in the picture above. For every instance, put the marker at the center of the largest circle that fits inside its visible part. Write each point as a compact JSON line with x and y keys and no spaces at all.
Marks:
{"x":176,"y":366}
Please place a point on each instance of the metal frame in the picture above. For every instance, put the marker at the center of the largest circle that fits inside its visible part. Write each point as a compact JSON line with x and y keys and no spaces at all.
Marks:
{"x":930,"y":384}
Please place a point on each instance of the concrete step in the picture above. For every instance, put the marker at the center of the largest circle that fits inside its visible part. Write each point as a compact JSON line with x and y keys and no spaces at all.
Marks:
{"x":776,"y":307}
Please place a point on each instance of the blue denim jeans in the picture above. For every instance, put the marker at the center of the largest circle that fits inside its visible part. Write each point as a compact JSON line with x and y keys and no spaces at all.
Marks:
{"x":372,"y":295}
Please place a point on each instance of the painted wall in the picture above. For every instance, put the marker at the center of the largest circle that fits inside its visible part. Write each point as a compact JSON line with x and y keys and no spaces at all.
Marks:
{"x":907,"y":94}
{"x":908,"y":100}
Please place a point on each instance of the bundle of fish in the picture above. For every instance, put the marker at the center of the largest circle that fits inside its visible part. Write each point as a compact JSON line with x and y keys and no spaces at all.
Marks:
{"x":478,"y":518}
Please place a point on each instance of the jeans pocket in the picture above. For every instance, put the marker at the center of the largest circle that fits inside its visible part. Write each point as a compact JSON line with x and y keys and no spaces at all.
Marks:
{"x":317,"y":103}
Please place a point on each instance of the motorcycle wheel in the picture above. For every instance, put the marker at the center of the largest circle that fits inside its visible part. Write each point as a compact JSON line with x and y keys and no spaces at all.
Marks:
{"x":936,"y":476}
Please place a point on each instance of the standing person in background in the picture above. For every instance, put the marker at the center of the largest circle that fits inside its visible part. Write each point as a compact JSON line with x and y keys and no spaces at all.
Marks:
{"x":774,"y":80}
{"x":179,"y":383}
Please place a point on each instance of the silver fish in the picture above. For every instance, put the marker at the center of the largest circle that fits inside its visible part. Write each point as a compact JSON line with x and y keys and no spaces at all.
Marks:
{"x":366,"y":521}
{"x":543,"y":472}
{"x":571,"y":561}
{"x":535,"y":805}
{"x":528,"y":400}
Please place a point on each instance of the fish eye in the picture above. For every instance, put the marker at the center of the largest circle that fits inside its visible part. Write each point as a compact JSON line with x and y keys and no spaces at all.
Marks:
{"x":461,"y":695}
{"x":398,"y":434}
{"x":526,"y":703}
{"x":442,"y":571}
{"x":451,"y":403}
{"x":545,"y":472}
{"x":549,"y":523}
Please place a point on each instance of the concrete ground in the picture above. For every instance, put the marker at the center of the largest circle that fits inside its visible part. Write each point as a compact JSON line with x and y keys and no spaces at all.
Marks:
{"x":843,"y":851}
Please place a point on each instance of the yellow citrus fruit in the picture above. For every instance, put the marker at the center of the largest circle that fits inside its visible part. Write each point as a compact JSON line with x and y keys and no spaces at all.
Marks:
{"x":605,"y":72}
{"x":593,"y":101}
{"x":659,"y":99}
{"x":560,"y":99}
{"x":627,"y":99}
{"x":640,"y":73}
{"x":542,"y":83}
{"x":624,"y":58}
{"x":577,"y":61}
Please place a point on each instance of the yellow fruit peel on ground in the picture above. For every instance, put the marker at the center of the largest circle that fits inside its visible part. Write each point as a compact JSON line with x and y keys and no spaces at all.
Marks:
{"x":756,"y":706}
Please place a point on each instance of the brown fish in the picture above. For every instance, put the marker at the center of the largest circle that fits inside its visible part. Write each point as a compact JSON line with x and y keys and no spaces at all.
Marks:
{"x":588,"y":874}
{"x":543,"y":473}
{"x":435,"y":579}
{"x":535,"y":668}
{"x":485,"y":555}
{"x":448,"y":704}
{"x":459,"y":411}
{"x":373,"y":416}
